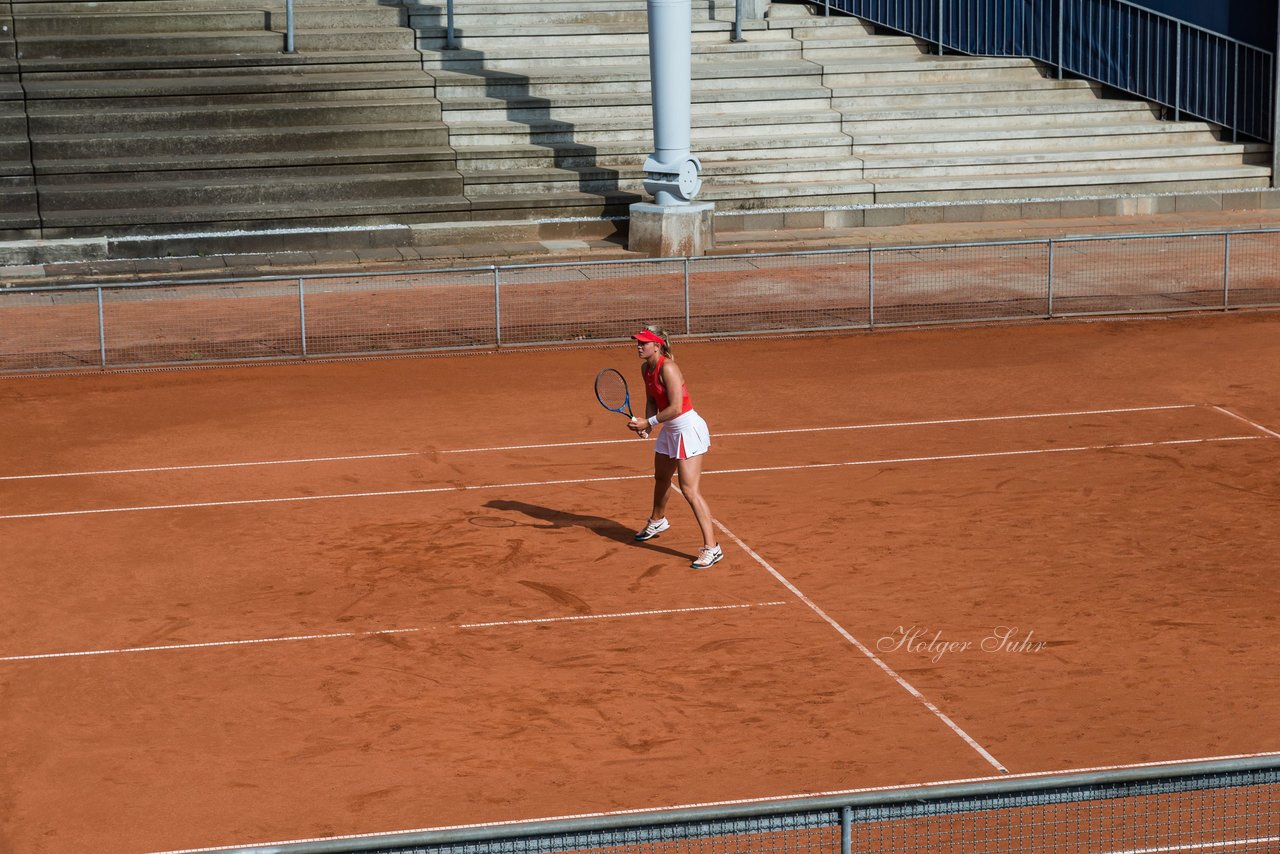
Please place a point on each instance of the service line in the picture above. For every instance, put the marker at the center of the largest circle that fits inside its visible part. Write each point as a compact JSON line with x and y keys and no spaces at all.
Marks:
{"x":338,"y":635}
{"x":934,"y":422}
{"x":573,"y":481}
{"x":779,"y":432}
{"x":211,"y":466}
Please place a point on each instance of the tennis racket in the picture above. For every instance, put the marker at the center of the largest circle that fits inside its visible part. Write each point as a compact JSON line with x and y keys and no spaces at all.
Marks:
{"x":612,"y":392}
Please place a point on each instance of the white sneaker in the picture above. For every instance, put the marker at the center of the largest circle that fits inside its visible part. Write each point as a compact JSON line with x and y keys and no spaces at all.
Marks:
{"x":653,"y":529}
{"x":708,"y":556}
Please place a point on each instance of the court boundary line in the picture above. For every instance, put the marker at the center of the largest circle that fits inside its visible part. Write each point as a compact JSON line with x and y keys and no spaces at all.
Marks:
{"x":873,"y":426}
{"x":783,"y":431}
{"x":198,"y":466}
{"x":875,"y":659}
{"x":1026,"y":775}
{"x":577,"y":617}
{"x":1249,"y":421}
{"x":377,"y":632}
{"x":240,"y":502}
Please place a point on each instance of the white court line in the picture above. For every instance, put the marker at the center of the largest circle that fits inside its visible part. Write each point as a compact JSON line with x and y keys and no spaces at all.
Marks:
{"x":876,"y":660}
{"x":613,"y":616}
{"x":210,"y":466}
{"x":944,"y":457}
{"x":571,"y":481}
{"x":1248,"y":421}
{"x":173,"y":646}
{"x":597,"y":442}
{"x":873,"y":426}
{"x":267,"y":846}
{"x":335,"y":635}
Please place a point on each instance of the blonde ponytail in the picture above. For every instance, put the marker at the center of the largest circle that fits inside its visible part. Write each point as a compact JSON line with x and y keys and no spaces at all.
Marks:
{"x":666,"y":339}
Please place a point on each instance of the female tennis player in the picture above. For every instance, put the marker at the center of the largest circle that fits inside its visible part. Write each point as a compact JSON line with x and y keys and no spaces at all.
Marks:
{"x":683,"y":440}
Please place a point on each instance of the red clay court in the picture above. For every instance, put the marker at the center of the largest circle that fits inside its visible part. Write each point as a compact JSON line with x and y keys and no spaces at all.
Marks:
{"x":251,"y":604}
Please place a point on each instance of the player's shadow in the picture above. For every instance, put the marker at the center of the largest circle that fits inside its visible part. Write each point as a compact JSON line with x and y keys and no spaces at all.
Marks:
{"x":598,"y":525}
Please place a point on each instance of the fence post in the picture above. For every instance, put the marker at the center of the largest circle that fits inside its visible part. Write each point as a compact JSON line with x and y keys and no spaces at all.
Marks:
{"x":1226,"y":272}
{"x":846,"y":830}
{"x":1062,"y":34}
{"x":687,"y":316}
{"x":1177,"y":72}
{"x":871,"y":289}
{"x":497,"y":308}
{"x":939,"y":25}
{"x":102,"y":333}
{"x":737,"y":21}
{"x":1235,"y":93}
{"x":1049,"y":301}
{"x":302,"y":314}
{"x":450,"y":37}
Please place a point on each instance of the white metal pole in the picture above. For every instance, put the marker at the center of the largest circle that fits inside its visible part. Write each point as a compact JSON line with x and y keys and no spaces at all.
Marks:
{"x":302,"y":314}
{"x":102,"y":333}
{"x":671,"y":171}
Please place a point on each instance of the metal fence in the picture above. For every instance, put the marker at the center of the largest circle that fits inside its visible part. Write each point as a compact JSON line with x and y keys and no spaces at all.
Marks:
{"x":114,"y":326}
{"x":1191,"y":70}
{"x":1227,"y":805}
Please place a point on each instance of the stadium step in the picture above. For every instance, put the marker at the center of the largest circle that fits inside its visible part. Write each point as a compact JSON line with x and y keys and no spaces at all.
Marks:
{"x":221,"y":115}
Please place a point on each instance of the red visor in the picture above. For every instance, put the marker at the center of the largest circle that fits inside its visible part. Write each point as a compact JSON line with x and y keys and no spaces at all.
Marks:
{"x":646,"y":335}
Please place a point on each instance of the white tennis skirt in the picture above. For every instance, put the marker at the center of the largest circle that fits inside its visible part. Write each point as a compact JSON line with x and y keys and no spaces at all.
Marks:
{"x":684,"y":436}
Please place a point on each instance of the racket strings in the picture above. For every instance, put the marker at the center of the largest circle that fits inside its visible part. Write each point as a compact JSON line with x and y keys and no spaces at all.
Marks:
{"x":611,"y":389}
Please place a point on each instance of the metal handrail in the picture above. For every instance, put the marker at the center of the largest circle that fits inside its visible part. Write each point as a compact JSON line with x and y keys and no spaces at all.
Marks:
{"x":1172,"y":19}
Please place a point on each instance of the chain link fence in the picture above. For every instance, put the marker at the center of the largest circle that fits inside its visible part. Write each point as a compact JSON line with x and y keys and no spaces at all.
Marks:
{"x":1223,"y":805}
{"x":117,"y":326}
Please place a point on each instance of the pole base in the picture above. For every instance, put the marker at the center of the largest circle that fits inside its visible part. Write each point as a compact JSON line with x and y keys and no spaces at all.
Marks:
{"x":672,"y":231}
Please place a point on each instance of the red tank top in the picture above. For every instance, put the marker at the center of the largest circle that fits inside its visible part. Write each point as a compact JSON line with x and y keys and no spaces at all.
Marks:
{"x":658,"y":391}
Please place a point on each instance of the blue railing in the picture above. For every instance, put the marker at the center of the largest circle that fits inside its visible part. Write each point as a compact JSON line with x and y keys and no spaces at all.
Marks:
{"x":1194,"y":72}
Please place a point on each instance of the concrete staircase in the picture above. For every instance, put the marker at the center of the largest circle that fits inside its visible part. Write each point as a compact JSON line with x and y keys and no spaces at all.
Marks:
{"x":950,"y":128}
{"x":155,"y":117}
{"x":18,"y":213}
{"x":556,"y":113}
{"x":807,"y":112}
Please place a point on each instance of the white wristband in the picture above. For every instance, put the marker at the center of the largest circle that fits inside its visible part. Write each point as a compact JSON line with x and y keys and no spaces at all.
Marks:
{"x":653,"y":421}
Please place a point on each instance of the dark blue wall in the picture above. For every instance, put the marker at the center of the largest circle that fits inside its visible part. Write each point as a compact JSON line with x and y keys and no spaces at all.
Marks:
{"x":1252,"y":21}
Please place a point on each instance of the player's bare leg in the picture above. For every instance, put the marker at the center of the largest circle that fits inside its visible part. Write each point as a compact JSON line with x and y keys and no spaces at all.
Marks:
{"x":691,"y":485}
